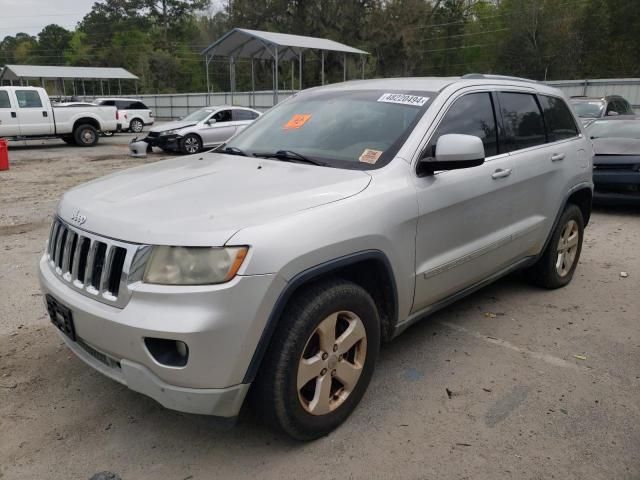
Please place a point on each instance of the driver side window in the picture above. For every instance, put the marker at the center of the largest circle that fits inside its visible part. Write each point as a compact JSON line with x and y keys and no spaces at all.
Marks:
{"x":222,"y":116}
{"x":470,"y":115}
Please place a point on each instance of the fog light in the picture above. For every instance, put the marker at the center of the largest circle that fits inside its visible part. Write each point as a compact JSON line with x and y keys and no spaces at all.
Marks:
{"x":172,"y":353}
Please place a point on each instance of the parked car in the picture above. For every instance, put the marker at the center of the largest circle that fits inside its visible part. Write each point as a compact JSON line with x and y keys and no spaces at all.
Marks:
{"x":590,"y":108}
{"x":283,"y":259}
{"x":84,"y":104}
{"x":135,"y":115}
{"x":616,"y":165}
{"x":27,"y":113}
{"x":205,"y":128}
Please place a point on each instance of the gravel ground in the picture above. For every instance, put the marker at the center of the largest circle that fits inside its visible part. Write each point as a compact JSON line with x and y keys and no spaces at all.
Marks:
{"x":512,"y":382}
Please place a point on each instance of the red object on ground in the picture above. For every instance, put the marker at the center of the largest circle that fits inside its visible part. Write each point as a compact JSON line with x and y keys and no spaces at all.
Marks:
{"x":4,"y":154}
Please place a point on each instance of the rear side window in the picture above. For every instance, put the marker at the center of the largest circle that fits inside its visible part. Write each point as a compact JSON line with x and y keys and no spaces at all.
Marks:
{"x":123,"y":105}
{"x":28,"y":99}
{"x":470,"y":115}
{"x":522,"y":119}
{"x":239,"y":115}
{"x":558,"y":118}
{"x":108,"y":103}
{"x":137,"y":106}
{"x":4,"y":99}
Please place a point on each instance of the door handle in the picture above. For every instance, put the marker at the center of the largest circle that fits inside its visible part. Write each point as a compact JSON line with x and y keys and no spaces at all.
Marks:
{"x":13,"y":115}
{"x":45,"y":114}
{"x":501,"y":173}
{"x":556,"y":157}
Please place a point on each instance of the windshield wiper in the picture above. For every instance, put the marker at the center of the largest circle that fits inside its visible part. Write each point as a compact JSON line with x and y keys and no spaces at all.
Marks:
{"x":234,"y":151}
{"x":291,"y":156}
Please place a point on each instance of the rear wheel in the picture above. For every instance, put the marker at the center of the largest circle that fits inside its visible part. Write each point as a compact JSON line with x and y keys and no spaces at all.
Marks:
{"x":191,"y":144}
{"x":559,"y":261}
{"x":85,"y":135}
{"x":136,"y":125}
{"x":320,"y":361}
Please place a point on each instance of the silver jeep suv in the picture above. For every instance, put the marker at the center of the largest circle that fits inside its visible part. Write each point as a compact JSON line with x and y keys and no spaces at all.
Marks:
{"x":281,"y":261}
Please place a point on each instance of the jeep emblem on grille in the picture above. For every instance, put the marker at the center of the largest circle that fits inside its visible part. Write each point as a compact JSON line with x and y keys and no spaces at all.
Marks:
{"x":78,"y":218}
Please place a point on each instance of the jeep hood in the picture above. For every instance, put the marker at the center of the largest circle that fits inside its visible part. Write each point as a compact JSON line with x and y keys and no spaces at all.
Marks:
{"x":203,"y":199}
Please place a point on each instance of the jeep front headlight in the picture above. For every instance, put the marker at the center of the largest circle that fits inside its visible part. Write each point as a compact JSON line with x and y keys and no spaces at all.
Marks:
{"x":193,"y":265}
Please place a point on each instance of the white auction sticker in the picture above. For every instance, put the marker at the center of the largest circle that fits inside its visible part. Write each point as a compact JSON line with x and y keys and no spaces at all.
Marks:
{"x":404,"y":99}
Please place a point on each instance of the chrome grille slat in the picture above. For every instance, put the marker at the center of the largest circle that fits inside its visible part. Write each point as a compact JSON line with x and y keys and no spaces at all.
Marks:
{"x":106,"y":269}
{"x":76,"y":258}
{"x":95,"y":266}
{"x":88,"y":272}
{"x":66,"y":252}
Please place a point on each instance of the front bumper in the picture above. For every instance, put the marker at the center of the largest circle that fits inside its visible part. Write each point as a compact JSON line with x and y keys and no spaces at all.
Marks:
{"x":221,"y":324}
{"x":616,"y":187}
{"x":166,"y":142}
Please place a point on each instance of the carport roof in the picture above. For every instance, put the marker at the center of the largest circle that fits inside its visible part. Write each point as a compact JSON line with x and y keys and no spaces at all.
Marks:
{"x":243,"y":43}
{"x":16,"y":72}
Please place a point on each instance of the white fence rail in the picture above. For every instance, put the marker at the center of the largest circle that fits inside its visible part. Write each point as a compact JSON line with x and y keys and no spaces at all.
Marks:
{"x":629,"y":88}
{"x":168,"y":106}
{"x":177,"y":105}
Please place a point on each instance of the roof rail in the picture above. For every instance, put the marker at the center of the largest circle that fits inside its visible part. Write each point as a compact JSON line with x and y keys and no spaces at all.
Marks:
{"x":471,"y":76}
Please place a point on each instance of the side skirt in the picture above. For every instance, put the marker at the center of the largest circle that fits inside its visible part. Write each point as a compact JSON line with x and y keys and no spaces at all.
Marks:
{"x":425,"y":312}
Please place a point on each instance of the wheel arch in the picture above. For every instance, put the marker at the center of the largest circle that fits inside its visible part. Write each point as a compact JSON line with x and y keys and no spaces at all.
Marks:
{"x":369,"y":269}
{"x":86,"y":121}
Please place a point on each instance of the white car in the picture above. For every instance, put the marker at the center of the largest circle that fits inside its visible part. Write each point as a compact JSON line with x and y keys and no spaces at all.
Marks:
{"x":134,"y":114}
{"x":204,"y":128}
{"x":27,"y":113}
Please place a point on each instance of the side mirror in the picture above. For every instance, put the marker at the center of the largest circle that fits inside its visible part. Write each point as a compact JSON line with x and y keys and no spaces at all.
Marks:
{"x":453,"y":151}
{"x":211,"y":121}
{"x":612,"y":113}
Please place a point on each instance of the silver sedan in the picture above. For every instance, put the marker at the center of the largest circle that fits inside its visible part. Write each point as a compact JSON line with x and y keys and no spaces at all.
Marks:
{"x":204,"y":128}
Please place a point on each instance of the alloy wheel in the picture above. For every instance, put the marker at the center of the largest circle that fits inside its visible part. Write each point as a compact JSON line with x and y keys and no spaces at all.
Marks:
{"x":191,"y":145}
{"x":136,"y":126}
{"x":567,"y":248}
{"x":331,"y":363}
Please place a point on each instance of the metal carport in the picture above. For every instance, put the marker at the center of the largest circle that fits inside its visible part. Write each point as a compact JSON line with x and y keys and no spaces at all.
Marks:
{"x":256,"y":44}
{"x":21,"y":74}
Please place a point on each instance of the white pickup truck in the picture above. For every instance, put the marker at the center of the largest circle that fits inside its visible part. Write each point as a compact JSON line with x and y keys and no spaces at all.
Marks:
{"x":26,"y":113}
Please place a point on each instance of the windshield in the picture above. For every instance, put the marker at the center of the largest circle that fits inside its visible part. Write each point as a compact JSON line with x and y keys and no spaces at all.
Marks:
{"x":588,"y":109}
{"x":346,"y":129}
{"x":614,"y":129}
{"x":199,"y":115}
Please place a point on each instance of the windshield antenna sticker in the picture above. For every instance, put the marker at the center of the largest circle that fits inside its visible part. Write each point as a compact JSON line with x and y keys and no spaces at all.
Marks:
{"x":402,"y":99}
{"x":297,"y":121}
{"x":370,"y":156}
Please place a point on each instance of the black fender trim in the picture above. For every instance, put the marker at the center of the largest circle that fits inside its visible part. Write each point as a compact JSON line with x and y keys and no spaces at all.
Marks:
{"x":574,"y":189}
{"x":304,"y":277}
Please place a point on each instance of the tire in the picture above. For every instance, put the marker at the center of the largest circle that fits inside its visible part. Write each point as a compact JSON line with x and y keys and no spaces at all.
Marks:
{"x":191,"y":144}
{"x":68,"y":140}
{"x":280,"y":393}
{"x":559,"y":261}
{"x":136,"y":125}
{"x":85,"y":135}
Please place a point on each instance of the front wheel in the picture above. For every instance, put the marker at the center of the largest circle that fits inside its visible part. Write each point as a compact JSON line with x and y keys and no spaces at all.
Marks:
{"x":559,"y":261}
{"x":191,"y":144}
{"x":320,"y":361}
{"x":85,"y":136}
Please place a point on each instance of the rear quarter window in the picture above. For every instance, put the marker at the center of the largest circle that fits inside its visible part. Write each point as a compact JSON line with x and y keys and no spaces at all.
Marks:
{"x":138,"y":106}
{"x":558,"y":119}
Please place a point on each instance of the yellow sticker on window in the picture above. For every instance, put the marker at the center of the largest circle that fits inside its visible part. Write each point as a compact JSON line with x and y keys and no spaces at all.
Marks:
{"x":297,"y":121}
{"x":370,"y":156}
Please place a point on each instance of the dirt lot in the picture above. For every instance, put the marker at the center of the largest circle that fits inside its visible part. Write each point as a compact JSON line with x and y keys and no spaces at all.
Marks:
{"x":512,"y":382}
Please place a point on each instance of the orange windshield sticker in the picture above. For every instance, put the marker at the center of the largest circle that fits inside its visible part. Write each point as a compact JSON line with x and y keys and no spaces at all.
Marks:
{"x":370,"y":156}
{"x":297,"y":121}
